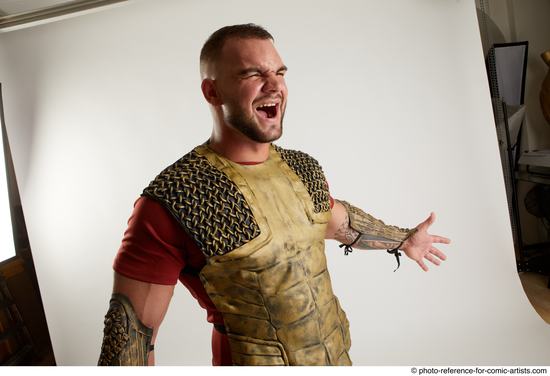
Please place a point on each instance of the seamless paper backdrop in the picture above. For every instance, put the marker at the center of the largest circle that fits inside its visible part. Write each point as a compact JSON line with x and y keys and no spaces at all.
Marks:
{"x":390,"y":96}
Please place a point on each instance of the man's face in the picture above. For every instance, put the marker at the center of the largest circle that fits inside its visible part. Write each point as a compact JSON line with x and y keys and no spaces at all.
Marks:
{"x":250,"y":81}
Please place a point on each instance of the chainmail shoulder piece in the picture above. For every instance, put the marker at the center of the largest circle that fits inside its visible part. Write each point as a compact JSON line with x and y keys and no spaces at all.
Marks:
{"x":311,"y":174}
{"x":206,"y":203}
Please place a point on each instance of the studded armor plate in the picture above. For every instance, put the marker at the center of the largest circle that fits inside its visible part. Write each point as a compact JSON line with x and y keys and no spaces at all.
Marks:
{"x":126,"y":341}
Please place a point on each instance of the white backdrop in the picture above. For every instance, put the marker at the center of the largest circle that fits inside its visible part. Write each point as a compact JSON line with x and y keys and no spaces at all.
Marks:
{"x":390,"y":96}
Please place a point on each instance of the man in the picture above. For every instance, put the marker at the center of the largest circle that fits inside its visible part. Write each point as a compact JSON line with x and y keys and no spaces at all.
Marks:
{"x":242,"y":224}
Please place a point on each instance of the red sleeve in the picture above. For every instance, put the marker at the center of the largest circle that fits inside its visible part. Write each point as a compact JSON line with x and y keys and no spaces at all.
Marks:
{"x":152,"y":248}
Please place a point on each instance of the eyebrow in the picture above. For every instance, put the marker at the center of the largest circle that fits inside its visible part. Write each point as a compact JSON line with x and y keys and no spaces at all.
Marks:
{"x":247,"y":71}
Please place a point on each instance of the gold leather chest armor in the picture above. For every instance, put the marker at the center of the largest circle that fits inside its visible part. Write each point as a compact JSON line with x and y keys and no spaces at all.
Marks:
{"x":262,"y":229}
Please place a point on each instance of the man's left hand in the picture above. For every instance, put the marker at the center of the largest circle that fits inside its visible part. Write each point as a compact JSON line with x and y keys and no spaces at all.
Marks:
{"x":420,"y":245}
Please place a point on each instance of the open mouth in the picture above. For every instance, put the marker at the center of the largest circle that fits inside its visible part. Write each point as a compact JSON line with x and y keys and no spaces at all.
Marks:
{"x":268,"y":110}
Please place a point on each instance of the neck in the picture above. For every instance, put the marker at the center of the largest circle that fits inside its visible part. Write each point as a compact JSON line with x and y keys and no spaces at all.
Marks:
{"x":236,"y":147}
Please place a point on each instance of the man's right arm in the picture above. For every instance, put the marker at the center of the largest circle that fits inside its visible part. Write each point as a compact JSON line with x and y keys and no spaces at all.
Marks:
{"x":132,"y":322}
{"x":147,"y":267}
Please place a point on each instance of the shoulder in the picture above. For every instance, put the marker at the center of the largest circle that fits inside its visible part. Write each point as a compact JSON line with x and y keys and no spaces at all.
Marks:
{"x":200,"y":197}
{"x":296,"y":157}
{"x":188,"y":164}
{"x":184,"y":175}
{"x":310,"y":173}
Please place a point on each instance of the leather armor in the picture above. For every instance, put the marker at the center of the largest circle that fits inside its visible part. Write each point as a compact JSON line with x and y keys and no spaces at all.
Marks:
{"x":126,"y":340}
{"x":262,"y":228}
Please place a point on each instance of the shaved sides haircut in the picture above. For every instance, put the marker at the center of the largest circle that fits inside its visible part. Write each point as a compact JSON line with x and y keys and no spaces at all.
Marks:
{"x":212,"y":47}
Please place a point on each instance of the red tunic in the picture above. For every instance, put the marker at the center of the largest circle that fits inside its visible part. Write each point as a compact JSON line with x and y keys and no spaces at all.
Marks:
{"x":156,"y":249}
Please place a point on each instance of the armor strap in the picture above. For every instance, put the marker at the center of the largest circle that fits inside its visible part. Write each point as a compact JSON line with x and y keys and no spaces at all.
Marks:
{"x":373,"y":231}
{"x":126,"y":340}
{"x":397,"y":254}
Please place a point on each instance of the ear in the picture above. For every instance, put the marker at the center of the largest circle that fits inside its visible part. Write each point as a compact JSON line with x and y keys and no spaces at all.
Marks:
{"x":210,"y":92}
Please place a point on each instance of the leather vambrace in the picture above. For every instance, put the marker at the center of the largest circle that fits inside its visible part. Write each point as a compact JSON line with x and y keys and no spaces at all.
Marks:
{"x":374,"y":233}
{"x":126,"y":340}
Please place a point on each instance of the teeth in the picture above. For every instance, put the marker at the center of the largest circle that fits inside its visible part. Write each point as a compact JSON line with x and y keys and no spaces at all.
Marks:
{"x":267,"y":105}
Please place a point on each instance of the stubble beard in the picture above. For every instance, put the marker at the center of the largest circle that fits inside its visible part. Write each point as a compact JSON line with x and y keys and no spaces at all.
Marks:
{"x":248,"y":126}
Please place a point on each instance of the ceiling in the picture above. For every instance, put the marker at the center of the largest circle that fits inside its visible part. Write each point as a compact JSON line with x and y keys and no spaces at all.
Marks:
{"x":22,"y":6}
{"x":15,"y":14}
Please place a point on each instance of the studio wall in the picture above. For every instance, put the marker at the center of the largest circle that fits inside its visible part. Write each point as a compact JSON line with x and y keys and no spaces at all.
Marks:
{"x":392,"y":99}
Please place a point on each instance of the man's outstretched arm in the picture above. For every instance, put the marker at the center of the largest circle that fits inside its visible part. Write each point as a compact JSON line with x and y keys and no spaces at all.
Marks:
{"x":131,"y":325}
{"x":354,"y":228}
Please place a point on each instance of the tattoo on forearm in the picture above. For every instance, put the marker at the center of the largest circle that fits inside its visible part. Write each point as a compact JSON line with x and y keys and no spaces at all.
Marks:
{"x":347,"y":235}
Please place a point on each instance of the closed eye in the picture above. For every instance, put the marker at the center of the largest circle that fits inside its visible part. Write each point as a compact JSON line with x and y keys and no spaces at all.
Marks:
{"x":250,"y":73}
{"x":256,"y":72}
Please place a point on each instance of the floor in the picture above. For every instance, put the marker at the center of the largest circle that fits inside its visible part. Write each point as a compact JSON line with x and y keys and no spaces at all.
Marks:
{"x":536,"y":289}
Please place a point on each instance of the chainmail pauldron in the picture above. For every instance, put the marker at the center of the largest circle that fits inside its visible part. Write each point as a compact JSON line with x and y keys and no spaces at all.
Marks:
{"x":311,"y":174}
{"x":206,"y":203}
{"x":211,"y":208}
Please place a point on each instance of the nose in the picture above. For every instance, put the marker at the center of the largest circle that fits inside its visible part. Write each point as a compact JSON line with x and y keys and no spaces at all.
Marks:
{"x":274,"y":83}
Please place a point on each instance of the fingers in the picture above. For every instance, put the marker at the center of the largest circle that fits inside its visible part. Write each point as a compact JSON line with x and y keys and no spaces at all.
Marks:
{"x":431,"y":257}
{"x":434,"y":260}
{"x":422,"y":265}
{"x":431,"y":219}
{"x":438,"y":253}
{"x":441,"y":239}
{"x":428,"y":222}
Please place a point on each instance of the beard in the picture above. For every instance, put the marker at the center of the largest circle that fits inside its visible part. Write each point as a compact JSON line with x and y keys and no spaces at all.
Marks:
{"x":250,"y":127}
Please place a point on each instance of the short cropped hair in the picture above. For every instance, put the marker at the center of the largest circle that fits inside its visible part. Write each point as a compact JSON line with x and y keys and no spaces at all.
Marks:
{"x":212,"y":47}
